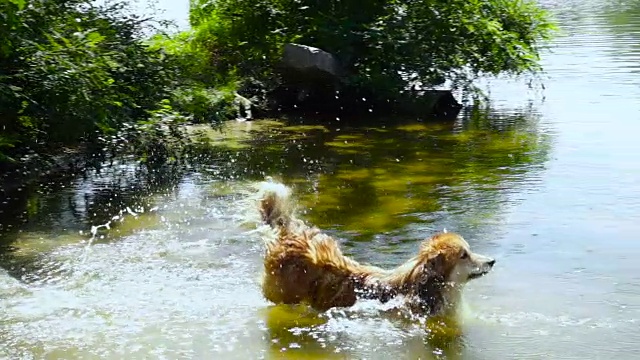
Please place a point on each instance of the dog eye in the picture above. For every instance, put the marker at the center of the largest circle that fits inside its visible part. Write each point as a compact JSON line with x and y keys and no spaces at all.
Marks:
{"x":464,"y":255}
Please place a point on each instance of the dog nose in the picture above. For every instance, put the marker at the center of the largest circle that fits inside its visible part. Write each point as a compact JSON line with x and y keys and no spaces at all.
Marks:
{"x":491,"y":262}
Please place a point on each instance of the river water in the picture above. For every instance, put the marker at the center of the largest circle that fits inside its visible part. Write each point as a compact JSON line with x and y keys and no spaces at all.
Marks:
{"x":547,"y":182}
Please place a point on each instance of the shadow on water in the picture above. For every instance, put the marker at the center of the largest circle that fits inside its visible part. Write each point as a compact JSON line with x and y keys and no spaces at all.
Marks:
{"x":61,"y":211}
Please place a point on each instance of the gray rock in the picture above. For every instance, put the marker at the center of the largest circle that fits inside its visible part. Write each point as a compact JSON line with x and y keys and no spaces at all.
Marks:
{"x":310,"y":62}
{"x":308,"y":74}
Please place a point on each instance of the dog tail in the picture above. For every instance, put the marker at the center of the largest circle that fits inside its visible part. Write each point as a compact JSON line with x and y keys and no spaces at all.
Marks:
{"x":276,"y":207}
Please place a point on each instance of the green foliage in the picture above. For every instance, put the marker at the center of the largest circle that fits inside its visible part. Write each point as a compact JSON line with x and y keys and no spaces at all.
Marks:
{"x":195,"y":96}
{"x":205,"y":105}
{"x":385,"y":45}
{"x":190,"y":61}
{"x":71,"y":70}
{"x":157,"y":140}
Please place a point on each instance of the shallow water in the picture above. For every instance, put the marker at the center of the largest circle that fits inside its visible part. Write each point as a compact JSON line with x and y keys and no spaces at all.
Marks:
{"x":547,"y":186}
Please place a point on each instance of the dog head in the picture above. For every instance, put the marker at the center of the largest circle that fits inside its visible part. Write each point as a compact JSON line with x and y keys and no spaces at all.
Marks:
{"x":446,"y":263}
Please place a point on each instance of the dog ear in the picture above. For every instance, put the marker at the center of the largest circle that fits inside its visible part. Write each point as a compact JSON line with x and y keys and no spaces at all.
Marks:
{"x":430,"y":283}
{"x":435,"y":266}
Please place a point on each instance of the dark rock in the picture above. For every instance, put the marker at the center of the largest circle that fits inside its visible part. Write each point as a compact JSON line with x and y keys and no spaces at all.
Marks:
{"x":439,"y":104}
{"x":312,"y":82}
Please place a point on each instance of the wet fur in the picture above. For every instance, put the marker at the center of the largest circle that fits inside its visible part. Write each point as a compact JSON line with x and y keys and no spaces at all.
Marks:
{"x":303,"y":265}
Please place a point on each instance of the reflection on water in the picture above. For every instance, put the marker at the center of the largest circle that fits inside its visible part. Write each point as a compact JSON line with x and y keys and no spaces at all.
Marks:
{"x":550,"y":189}
{"x":369,"y":180}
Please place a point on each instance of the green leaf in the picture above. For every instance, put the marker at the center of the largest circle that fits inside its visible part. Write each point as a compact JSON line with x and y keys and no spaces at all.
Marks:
{"x":19,"y":3}
{"x":95,"y":37}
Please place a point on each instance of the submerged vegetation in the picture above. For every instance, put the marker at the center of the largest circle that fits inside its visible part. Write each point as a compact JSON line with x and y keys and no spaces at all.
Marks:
{"x":83,"y":72}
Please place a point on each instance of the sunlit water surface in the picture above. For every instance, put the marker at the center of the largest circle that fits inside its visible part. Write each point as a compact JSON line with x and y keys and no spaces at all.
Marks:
{"x":547,"y":186}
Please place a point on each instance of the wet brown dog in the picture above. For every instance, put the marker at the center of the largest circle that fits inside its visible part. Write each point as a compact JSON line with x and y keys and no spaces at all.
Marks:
{"x":303,"y":265}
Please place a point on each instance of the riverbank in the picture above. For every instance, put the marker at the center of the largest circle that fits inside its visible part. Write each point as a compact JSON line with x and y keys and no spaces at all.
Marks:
{"x":101,"y":72}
